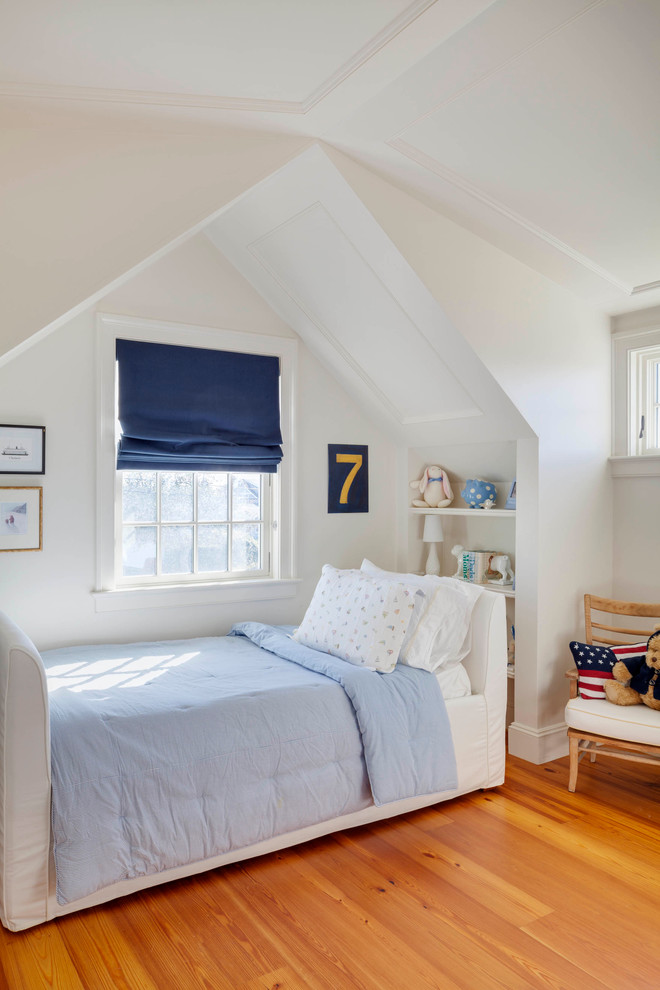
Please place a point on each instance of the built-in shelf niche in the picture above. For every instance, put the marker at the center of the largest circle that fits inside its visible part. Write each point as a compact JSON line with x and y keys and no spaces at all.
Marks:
{"x":474,"y":513}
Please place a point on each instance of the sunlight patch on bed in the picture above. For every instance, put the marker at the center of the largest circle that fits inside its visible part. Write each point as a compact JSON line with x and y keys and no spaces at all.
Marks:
{"x":101,"y":675}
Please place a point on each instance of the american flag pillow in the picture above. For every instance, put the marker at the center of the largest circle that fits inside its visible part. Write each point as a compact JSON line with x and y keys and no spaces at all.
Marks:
{"x":594,"y":664}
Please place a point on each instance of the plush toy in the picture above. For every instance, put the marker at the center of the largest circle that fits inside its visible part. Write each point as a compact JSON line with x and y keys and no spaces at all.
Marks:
{"x":637,"y":680}
{"x":479,"y":494}
{"x":434,"y":487}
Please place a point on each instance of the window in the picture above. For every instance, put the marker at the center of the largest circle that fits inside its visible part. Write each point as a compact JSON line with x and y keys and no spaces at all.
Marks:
{"x":193,"y":524}
{"x":168,"y":529}
{"x":645,"y":386}
{"x":636,"y":366}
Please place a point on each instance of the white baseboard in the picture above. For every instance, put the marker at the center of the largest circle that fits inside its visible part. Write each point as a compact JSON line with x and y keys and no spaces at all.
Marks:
{"x":538,"y":745}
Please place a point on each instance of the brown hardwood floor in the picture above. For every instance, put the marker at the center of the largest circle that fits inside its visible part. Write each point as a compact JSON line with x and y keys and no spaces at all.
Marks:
{"x":525,"y":886}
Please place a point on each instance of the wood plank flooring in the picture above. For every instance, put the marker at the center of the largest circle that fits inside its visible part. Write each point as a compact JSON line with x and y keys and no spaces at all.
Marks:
{"x":518,"y":888}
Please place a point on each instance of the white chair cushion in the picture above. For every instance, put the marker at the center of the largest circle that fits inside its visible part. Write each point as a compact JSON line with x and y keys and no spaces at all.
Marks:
{"x":634,"y":723}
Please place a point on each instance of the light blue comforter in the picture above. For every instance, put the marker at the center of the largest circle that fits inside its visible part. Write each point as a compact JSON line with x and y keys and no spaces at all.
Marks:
{"x":170,"y":753}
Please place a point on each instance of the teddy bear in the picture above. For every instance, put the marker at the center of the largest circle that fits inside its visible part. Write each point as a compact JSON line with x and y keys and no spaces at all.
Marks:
{"x":434,"y":488}
{"x":637,"y":680}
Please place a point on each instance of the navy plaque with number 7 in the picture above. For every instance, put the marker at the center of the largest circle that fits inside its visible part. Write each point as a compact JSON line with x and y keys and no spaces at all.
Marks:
{"x":348,"y":477}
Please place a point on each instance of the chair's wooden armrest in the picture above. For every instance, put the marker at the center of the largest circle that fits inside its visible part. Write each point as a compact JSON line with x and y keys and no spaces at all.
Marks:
{"x":573,"y":686}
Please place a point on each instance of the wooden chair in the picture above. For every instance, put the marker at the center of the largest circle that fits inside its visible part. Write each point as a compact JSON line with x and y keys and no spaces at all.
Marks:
{"x":597,"y":726}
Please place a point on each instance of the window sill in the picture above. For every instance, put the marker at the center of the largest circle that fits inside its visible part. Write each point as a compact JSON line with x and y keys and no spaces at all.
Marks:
{"x":174,"y":596}
{"x":635,"y":466}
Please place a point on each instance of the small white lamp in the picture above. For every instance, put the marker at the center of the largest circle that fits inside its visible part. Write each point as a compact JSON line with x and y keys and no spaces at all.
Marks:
{"x":433,"y":534}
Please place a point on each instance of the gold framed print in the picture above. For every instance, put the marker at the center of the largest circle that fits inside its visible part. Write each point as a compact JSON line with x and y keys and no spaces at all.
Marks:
{"x":21,"y":519}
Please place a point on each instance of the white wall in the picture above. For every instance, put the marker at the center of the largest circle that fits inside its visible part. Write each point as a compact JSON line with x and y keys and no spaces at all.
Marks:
{"x":550,"y":353}
{"x":636,"y":538}
{"x":86,"y":195}
{"x":53,"y":384}
{"x":636,"y":504}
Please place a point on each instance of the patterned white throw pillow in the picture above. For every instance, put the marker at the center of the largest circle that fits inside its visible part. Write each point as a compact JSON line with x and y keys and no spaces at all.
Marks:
{"x":360,"y":619}
{"x":439,"y":635}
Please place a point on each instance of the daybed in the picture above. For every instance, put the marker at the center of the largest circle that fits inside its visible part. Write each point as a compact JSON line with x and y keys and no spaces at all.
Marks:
{"x":29,"y":891}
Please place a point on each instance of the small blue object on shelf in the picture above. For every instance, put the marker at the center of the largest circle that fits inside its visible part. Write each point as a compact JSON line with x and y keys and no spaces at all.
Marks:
{"x":479,"y":494}
{"x":511,"y":497}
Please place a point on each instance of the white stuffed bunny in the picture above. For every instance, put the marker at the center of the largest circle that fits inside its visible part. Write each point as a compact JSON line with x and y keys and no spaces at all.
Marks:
{"x":434,"y":487}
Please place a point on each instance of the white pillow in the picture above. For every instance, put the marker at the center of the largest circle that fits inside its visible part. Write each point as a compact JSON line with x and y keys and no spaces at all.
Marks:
{"x":454,"y":682}
{"x":358,"y":618}
{"x":440,"y":635}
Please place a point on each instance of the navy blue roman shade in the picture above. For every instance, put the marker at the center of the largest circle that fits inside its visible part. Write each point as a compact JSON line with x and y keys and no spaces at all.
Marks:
{"x":195,"y":409}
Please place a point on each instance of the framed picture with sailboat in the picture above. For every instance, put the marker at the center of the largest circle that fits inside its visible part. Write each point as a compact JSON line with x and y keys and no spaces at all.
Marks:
{"x":22,"y":449}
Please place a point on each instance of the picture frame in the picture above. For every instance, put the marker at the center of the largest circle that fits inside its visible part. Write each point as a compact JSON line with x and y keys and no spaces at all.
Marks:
{"x":348,"y":477}
{"x":22,"y":449}
{"x":21,"y":518}
{"x":511,"y":497}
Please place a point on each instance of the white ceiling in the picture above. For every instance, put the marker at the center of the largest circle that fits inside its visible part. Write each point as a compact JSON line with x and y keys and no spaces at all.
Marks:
{"x":534,"y":124}
{"x":251,"y":51}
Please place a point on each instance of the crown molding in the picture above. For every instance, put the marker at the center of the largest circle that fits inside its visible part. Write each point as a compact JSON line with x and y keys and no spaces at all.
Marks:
{"x":367,"y":52}
{"x":197,"y":101}
{"x":454,"y":179}
{"x":147,"y":97}
{"x":645,"y":287}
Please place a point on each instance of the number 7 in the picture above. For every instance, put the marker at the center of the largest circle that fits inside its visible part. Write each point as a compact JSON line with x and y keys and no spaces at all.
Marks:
{"x":356,"y":461}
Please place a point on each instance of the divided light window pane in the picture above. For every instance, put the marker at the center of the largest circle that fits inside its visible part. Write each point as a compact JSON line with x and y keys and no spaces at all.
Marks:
{"x":176,"y":496}
{"x":654,"y":440}
{"x":177,"y":549}
{"x":139,"y":550}
{"x":192,"y":523}
{"x":245,"y":547}
{"x":212,"y":549}
{"x":140,"y":497}
{"x":246,"y":502}
{"x":649,"y":400}
{"x":212,"y":501}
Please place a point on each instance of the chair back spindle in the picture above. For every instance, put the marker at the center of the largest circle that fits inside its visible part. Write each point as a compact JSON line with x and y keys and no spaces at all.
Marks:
{"x":597,"y":631}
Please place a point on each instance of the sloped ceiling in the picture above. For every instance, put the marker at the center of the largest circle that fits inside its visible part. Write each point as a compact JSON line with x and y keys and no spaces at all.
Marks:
{"x":306,"y":242}
{"x":84,"y":206}
{"x":533,"y":127}
{"x":532,"y":124}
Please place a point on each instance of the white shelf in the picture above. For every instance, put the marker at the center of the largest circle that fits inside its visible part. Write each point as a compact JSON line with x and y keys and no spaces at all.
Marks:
{"x":493,"y":513}
{"x":501,"y":589}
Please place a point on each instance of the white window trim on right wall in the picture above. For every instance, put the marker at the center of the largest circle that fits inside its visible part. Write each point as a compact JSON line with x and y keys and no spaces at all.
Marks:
{"x":628,"y":351}
{"x":108,"y":595}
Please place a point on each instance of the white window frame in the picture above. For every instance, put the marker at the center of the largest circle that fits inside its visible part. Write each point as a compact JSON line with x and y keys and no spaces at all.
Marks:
{"x":646,"y":433}
{"x":634,"y":354}
{"x":111,"y":592}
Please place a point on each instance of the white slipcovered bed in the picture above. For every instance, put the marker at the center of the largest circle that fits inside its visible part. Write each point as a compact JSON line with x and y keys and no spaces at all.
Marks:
{"x":27,"y":867}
